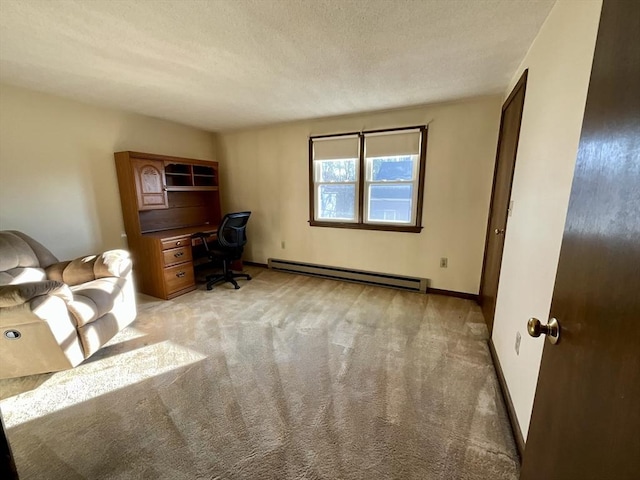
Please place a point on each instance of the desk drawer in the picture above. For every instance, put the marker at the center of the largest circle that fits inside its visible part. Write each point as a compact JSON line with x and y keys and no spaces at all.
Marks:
{"x":179,"y":277}
{"x":176,"y":255}
{"x":176,"y":242}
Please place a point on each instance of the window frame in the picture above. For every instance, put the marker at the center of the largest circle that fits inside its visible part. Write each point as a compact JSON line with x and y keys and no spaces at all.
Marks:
{"x":360,"y":223}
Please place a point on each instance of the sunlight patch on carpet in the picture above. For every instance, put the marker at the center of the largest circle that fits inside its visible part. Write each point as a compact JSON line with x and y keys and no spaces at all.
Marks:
{"x":129,"y":333}
{"x":94,"y":379}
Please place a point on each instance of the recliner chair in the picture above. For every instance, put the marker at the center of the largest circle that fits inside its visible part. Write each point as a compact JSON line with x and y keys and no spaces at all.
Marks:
{"x":54,"y":315}
{"x":229,"y":246}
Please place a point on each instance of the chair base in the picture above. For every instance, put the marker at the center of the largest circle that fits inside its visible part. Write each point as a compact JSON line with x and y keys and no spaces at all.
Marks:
{"x":227,"y":276}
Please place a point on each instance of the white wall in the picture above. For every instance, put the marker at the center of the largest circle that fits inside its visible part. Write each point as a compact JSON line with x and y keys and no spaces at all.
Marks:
{"x":266,"y":170}
{"x":559,"y":64}
{"x":57,"y":173}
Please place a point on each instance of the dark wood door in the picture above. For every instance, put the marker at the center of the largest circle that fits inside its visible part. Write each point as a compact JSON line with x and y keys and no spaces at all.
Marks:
{"x":500,"y":196}
{"x":586,"y":415}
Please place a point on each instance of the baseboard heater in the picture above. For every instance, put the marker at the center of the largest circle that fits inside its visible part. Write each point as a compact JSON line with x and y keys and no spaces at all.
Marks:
{"x":350,"y":275}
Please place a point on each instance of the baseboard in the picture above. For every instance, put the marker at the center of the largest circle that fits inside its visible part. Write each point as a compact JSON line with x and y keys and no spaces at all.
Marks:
{"x":451,"y":293}
{"x":379,"y":279}
{"x":362,"y":276}
{"x":255,"y":264}
{"x":513,"y":420}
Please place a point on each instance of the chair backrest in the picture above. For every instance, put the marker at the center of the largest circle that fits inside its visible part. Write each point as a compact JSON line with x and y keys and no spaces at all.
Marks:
{"x":232,"y":232}
{"x":22,"y":259}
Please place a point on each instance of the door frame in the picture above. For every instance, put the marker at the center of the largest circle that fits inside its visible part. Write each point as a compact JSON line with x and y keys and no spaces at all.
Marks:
{"x":521,"y":84}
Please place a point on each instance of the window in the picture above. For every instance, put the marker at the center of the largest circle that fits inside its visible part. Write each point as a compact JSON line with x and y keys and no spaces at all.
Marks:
{"x":369,"y":180}
{"x":336,"y":170}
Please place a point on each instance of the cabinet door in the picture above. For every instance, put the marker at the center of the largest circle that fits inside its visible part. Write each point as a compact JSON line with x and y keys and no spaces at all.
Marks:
{"x":150,"y":184}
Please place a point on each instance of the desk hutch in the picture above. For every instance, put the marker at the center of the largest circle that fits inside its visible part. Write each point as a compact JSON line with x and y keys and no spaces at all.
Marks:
{"x":164,"y":201}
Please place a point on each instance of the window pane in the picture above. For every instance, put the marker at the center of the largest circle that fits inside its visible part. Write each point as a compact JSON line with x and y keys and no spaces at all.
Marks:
{"x":337,"y":170}
{"x":392,"y":168}
{"x":390,"y":203}
{"x":336,"y":202}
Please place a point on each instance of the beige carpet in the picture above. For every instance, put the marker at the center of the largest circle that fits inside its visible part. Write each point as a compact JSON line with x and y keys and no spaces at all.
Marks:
{"x":289,"y":377}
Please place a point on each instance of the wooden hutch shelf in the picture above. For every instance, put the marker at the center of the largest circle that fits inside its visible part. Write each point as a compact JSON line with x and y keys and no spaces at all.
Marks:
{"x":191,"y":189}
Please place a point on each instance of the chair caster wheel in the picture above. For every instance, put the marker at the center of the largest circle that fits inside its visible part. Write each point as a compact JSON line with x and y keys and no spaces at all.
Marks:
{"x":237,"y":287}
{"x":209,"y":287}
{"x":248,"y":277}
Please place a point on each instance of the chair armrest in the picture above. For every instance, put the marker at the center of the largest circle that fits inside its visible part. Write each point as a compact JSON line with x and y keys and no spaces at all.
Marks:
{"x":18,"y":294}
{"x":112,"y":263}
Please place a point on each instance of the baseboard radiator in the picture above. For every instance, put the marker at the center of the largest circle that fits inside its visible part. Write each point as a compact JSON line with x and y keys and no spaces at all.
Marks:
{"x":350,"y":275}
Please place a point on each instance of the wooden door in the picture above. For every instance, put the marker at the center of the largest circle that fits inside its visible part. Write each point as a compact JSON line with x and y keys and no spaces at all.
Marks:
{"x":500,"y":196}
{"x":586,"y":415}
{"x":150,"y":184}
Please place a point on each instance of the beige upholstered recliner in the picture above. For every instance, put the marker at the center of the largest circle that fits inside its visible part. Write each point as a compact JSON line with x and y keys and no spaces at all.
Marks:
{"x":53,"y":314}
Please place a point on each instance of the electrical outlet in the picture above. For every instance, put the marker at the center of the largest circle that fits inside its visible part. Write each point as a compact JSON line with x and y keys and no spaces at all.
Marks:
{"x":518,"y":338}
{"x":282,"y":244}
{"x":444,"y":262}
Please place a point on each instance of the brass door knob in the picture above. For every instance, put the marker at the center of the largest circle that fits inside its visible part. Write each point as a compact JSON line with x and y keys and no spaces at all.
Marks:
{"x":551,"y":329}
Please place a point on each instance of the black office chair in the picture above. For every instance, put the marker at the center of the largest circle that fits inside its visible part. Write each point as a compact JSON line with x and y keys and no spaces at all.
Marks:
{"x":232,"y":237}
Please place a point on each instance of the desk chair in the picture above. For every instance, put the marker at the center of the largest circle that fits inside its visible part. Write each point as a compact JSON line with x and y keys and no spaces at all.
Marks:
{"x":228,"y":247}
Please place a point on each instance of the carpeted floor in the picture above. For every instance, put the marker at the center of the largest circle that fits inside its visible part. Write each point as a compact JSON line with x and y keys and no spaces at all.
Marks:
{"x":289,"y":377}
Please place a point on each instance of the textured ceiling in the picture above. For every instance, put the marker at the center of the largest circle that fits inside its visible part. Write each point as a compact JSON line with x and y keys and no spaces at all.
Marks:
{"x":225,"y":64}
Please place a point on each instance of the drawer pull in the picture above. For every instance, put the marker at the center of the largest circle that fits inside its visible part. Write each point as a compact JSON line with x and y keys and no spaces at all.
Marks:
{"x":180,"y":274}
{"x":179,"y":254}
{"x":178,"y":243}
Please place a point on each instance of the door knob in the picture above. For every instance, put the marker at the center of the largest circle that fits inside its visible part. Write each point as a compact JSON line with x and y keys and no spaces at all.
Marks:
{"x":551,"y":329}
{"x":499,"y":231}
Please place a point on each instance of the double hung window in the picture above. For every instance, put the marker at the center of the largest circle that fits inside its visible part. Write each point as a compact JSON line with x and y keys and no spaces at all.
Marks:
{"x":368,"y":180}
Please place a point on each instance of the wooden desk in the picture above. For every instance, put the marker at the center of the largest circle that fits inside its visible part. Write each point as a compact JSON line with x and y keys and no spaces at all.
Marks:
{"x":165,"y":200}
{"x":173,"y":251}
{"x":178,"y":233}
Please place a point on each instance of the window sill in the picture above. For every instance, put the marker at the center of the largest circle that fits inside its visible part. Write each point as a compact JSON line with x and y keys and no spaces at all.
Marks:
{"x":367,"y":226}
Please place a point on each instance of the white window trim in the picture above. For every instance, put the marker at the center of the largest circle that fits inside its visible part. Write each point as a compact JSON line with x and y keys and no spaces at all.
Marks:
{"x":318,"y":184}
{"x":414,"y":192}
